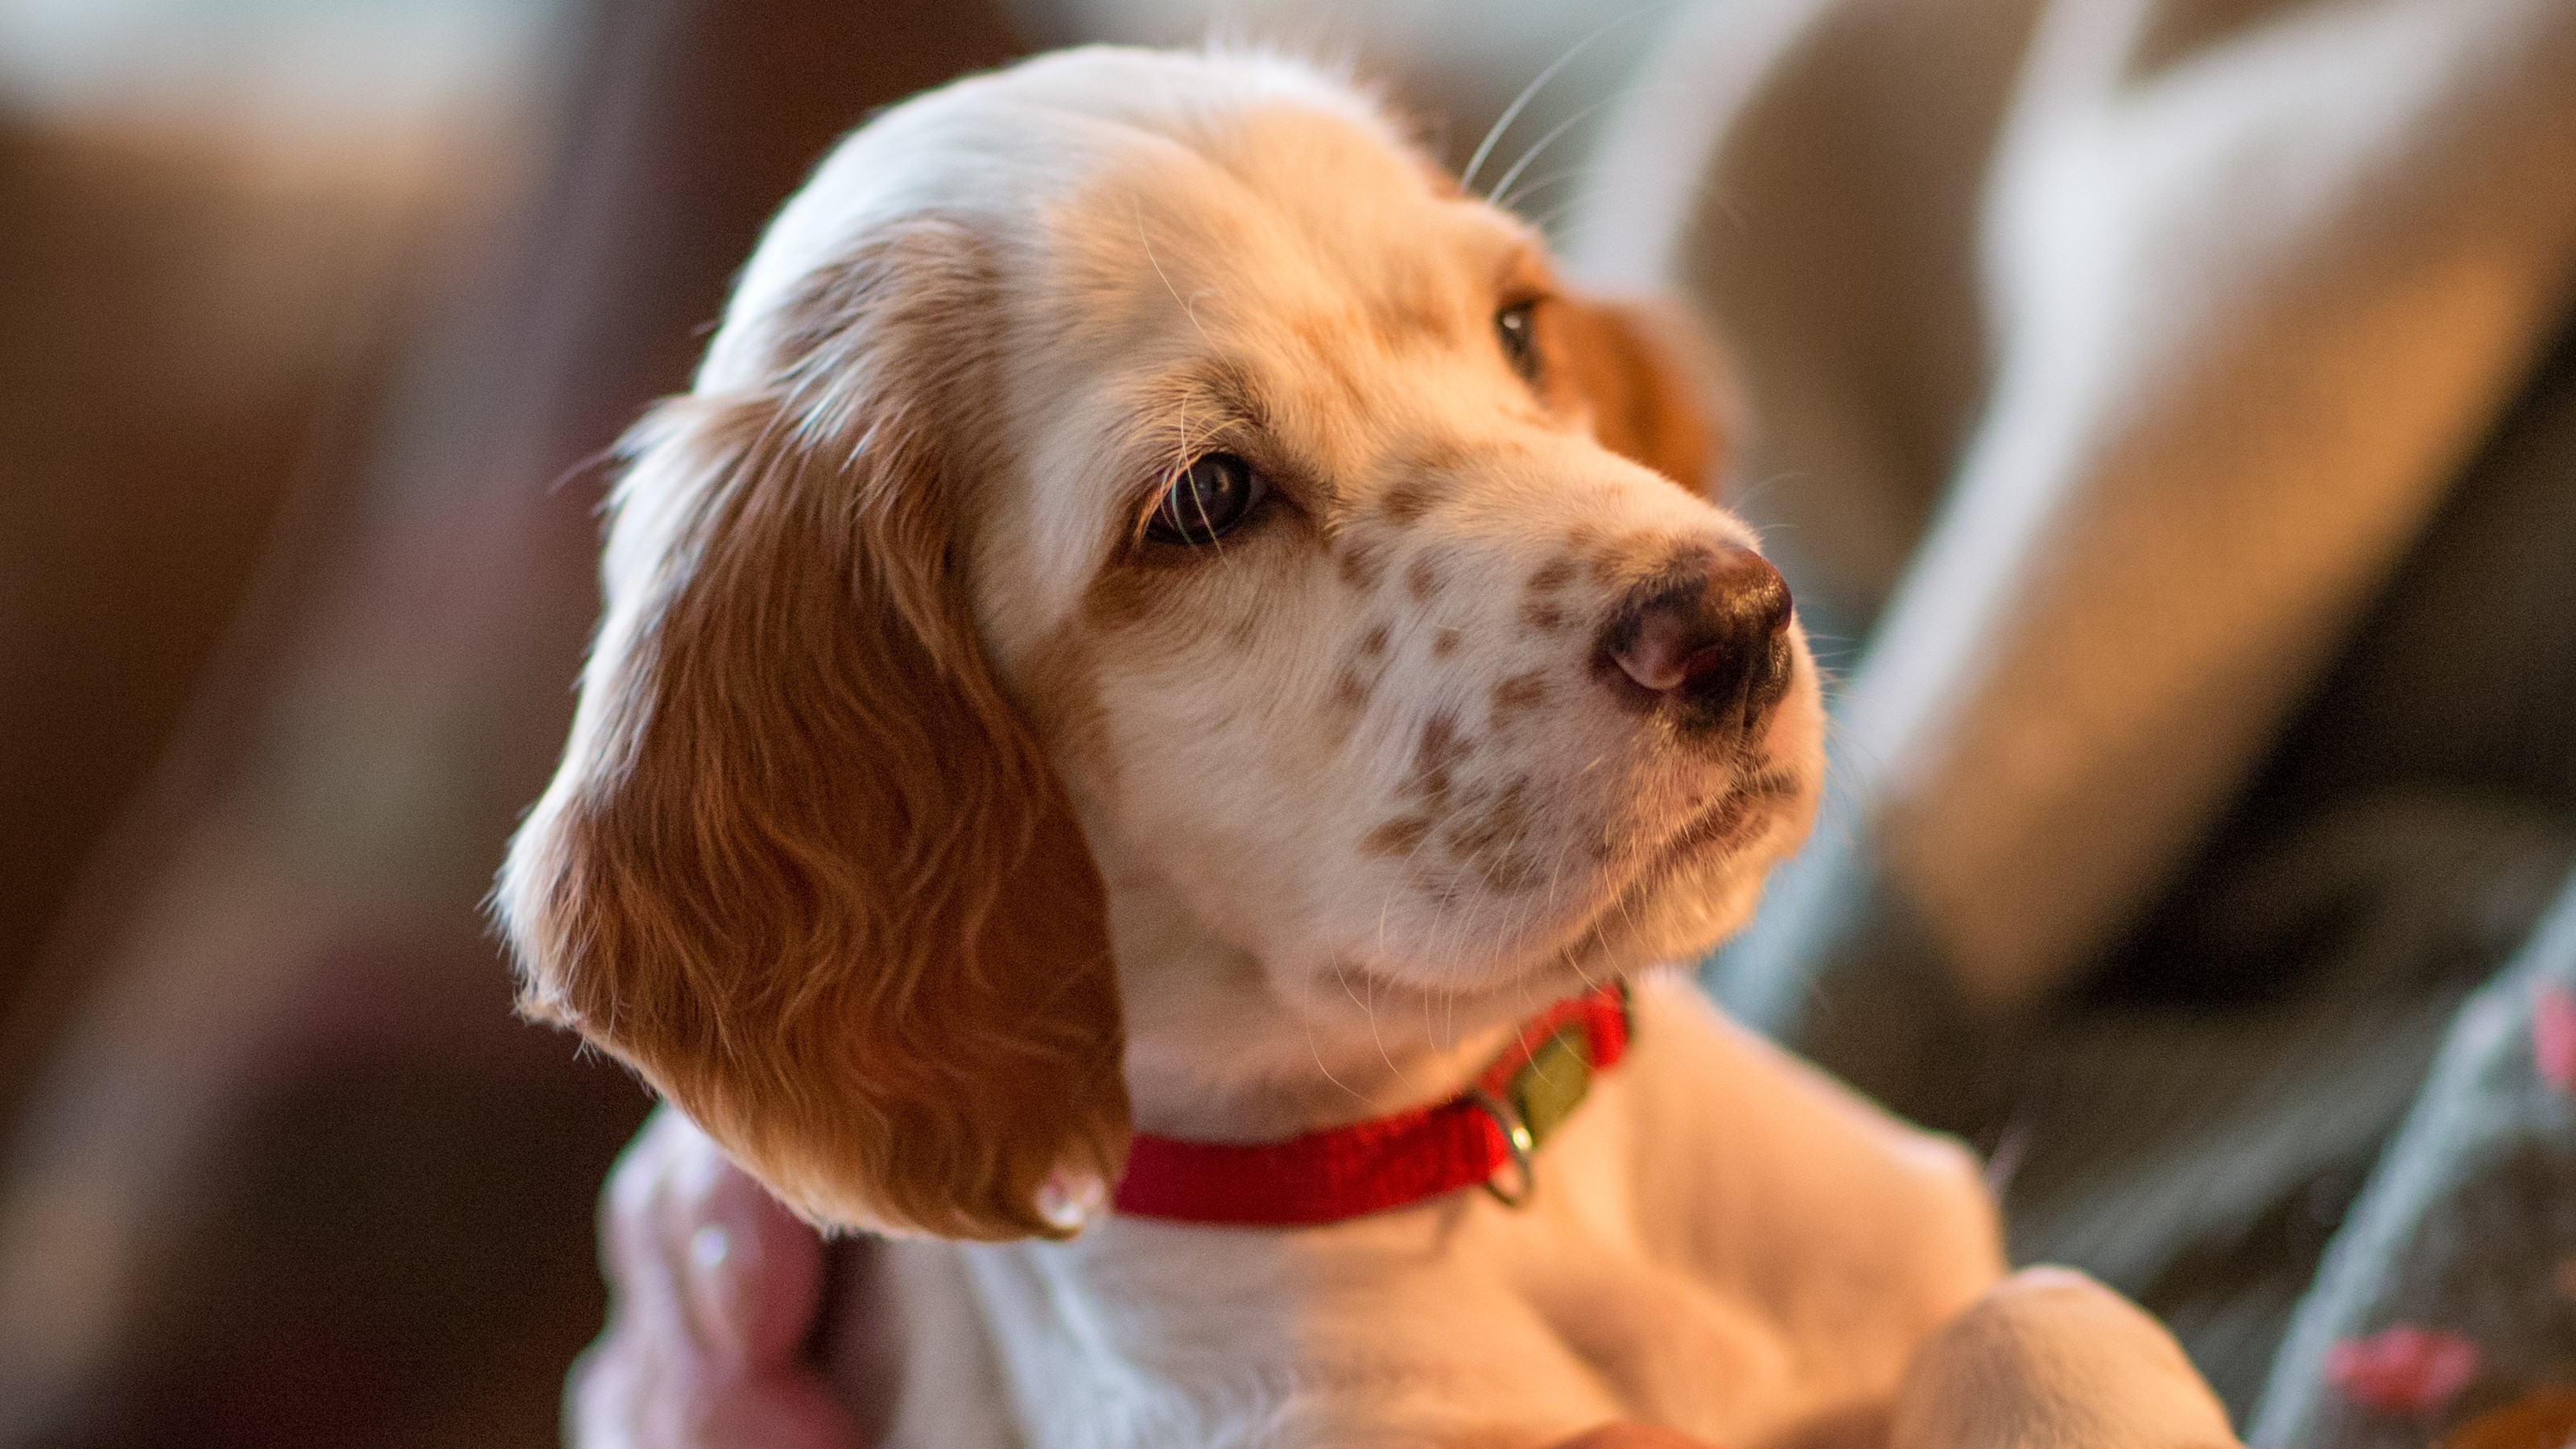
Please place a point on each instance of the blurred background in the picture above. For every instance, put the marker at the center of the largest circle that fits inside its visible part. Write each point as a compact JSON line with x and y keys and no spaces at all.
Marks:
{"x":315,"y":318}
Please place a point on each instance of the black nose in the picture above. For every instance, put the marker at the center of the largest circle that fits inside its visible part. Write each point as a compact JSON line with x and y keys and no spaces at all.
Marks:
{"x":1706,"y":639}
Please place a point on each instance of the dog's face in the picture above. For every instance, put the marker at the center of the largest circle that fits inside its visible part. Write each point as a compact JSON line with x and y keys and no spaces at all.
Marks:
{"x":1150,"y":460}
{"x":1319,"y":578}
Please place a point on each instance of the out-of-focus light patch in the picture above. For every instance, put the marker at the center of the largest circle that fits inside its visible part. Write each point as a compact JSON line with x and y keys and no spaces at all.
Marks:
{"x":1456,"y":61}
{"x":293,"y":75}
{"x":1465,"y":35}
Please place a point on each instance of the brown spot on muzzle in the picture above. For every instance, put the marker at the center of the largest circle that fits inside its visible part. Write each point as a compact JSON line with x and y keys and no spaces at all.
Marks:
{"x":1505,"y":812}
{"x":1541,"y":608}
{"x":1422,"y":579}
{"x":1616,"y":562}
{"x":1440,"y":748}
{"x":1517,"y":696}
{"x":1400,"y":836}
{"x":1407,"y":501}
{"x":1350,"y":691}
{"x":1492,"y":835}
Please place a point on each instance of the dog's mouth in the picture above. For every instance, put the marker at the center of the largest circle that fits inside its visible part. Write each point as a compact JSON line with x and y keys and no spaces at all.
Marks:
{"x":1726,"y":826}
{"x":1737,"y":817}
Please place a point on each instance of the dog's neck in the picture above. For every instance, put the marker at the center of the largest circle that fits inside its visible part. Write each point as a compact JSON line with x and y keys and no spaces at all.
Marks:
{"x":1222,"y":1047}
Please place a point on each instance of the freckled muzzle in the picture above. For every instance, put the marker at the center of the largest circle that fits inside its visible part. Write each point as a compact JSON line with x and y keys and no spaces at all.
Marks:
{"x":1703,"y":643}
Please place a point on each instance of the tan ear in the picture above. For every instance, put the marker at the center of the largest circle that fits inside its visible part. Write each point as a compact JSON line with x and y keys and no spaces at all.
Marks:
{"x":1655,"y":392}
{"x":804,"y":866}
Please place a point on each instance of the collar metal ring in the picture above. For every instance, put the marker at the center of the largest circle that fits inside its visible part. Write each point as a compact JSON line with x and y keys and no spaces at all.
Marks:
{"x":1516,"y":1138}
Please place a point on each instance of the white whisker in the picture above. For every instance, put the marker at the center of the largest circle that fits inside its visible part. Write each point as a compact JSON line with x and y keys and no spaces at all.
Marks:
{"x":1550,"y":139}
{"x":1516,"y":195}
{"x":1317,"y":1053}
{"x":1512,"y":112}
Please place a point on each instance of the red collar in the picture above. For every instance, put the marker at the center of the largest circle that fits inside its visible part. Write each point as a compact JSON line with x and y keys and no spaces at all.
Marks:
{"x":1392,"y":1162}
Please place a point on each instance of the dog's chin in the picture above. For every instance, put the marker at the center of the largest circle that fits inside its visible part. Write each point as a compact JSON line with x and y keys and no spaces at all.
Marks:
{"x":1679,"y":914}
{"x":1672,"y":903}
{"x":1694,"y":886}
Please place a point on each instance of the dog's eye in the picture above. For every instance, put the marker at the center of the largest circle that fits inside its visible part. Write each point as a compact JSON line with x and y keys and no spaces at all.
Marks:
{"x":1517,"y":326}
{"x":1205,"y":500}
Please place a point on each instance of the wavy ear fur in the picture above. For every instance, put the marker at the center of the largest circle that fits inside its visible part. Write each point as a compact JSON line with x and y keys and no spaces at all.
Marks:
{"x":804,"y":866}
{"x":1651,"y":388}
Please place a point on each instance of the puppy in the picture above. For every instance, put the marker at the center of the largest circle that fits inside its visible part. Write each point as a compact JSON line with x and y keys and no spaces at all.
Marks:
{"x":1162,"y":647}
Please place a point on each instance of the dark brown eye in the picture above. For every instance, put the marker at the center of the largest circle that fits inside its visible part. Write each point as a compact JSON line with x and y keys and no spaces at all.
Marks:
{"x":1517,"y":326}
{"x":1205,"y":501}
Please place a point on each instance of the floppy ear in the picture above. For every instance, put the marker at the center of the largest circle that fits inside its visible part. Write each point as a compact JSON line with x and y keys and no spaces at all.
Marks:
{"x":1654,"y":389}
{"x":804,"y":866}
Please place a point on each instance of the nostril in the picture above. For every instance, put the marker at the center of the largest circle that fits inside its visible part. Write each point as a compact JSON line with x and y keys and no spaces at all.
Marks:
{"x":1704,"y":665}
{"x":1661,"y":655}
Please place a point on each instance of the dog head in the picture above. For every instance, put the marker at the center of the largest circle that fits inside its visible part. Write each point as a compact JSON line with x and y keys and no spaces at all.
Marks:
{"x":1150,"y":461}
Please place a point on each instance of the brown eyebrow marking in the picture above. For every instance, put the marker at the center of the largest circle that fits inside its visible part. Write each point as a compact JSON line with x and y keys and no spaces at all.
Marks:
{"x":1220,"y":404}
{"x":1223,"y":384}
{"x":1214,"y":401}
{"x":1524,"y":275}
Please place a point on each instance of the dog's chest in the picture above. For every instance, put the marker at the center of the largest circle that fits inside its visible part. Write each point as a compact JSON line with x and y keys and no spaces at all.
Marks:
{"x":1451,"y":1333}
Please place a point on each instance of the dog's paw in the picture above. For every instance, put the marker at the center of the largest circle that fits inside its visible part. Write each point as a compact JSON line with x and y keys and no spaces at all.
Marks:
{"x":2050,"y":1359}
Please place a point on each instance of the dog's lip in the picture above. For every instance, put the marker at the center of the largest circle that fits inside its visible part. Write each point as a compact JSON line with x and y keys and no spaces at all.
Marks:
{"x":1721,"y":820}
